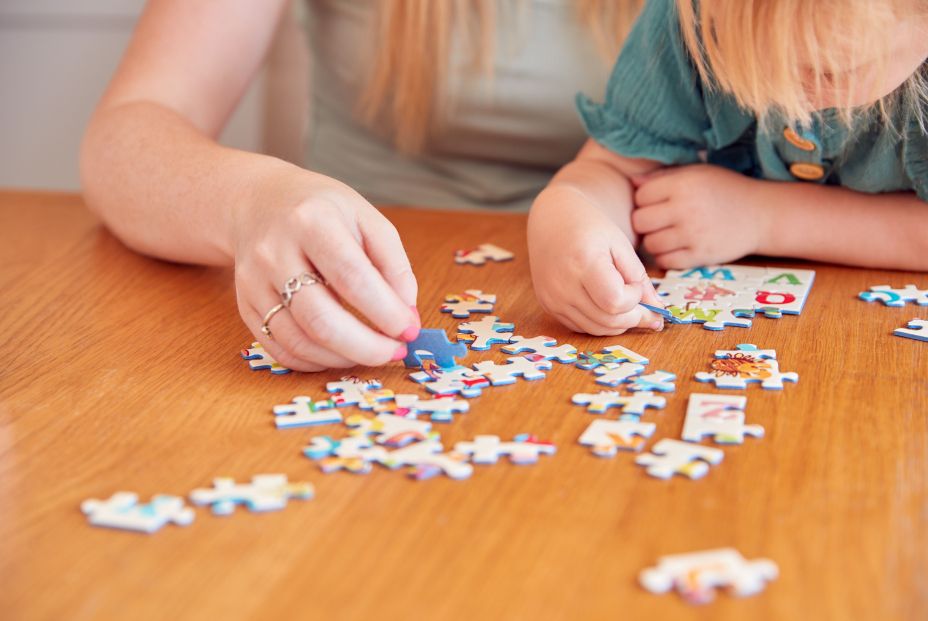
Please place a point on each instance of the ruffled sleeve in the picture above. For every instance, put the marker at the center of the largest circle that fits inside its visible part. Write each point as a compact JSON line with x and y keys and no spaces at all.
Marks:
{"x":654,"y":107}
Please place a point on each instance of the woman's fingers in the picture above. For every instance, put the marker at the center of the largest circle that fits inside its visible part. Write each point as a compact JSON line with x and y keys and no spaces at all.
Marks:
{"x":386,"y":252}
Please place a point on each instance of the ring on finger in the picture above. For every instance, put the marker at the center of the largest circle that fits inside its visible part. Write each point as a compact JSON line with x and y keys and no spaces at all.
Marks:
{"x":298,"y":282}
{"x":265,"y":327}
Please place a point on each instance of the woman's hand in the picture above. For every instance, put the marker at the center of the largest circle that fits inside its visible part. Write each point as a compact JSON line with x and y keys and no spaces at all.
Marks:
{"x":585,"y":269}
{"x":299,"y":221}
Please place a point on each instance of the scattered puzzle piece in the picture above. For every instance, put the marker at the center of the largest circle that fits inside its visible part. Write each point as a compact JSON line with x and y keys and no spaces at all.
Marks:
{"x":634,"y":404}
{"x":472,"y":301}
{"x":435,"y":342}
{"x":427,"y":460}
{"x":390,"y":430}
{"x":895,"y":297}
{"x":660,"y":381}
{"x":439,"y":409}
{"x":606,"y":437}
{"x":303,"y":412}
{"x":697,"y":575}
{"x":613,"y":374}
{"x":266,"y":492}
{"x":354,"y":453}
{"x":669,"y":457}
{"x":456,"y":380}
{"x":503,"y":374}
{"x":484,"y":333}
{"x":481,"y":254}
{"x":721,"y":416}
{"x":735,"y":369}
{"x":351,"y":390}
{"x":543,"y":346}
{"x":613,"y":354}
{"x":122,"y":510}
{"x":259,"y":360}
{"x":916,"y":329}
{"x":524,"y":449}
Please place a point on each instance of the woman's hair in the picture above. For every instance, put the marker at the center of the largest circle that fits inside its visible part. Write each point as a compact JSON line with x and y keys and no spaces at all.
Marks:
{"x":409,"y":75}
{"x":781,"y":55}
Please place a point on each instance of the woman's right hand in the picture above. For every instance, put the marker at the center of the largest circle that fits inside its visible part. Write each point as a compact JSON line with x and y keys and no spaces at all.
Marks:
{"x":298,"y":221}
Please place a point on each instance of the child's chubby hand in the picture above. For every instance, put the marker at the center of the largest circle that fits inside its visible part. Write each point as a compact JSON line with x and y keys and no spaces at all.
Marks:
{"x":584,"y":268}
{"x":698,"y":215}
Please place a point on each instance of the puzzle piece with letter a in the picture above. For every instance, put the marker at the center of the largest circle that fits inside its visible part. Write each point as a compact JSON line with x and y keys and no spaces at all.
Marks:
{"x":504,"y":374}
{"x":481,"y":254}
{"x":614,"y":354}
{"x":606,"y":437}
{"x":122,"y":510}
{"x":916,"y":329}
{"x":735,"y":369}
{"x":895,"y":297}
{"x":266,"y":492}
{"x":304,"y":412}
{"x":669,"y":457}
{"x":471,"y":301}
{"x":719,"y":416}
{"x":634,"y":404}
{"x":435,"y":342}
{"x":697,"y":575}
{"x":426,"y":460}
{"x":484,"y":333}
{"x":543,"y":347}
{"x":259,"y":360}
{"x":486,"y":449}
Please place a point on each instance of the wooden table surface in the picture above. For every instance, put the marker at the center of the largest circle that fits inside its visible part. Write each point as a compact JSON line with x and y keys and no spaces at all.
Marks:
{"x":123,"y":373}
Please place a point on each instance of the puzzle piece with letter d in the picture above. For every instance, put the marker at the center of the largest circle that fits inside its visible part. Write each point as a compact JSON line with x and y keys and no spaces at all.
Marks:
{"x":122,"y":510}
{"x":697,"y":575}
{"x":605,"y":437}
{"x":916,"y":329}
{"x":481,"y":254}
{"x":259,"y":360}
{"x":719,"y":416}
{"x":669,"y":457}
{"x":266,"y":492}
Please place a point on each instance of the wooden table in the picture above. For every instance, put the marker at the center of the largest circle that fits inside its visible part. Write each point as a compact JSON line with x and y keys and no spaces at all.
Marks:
{"x":123,"y":373}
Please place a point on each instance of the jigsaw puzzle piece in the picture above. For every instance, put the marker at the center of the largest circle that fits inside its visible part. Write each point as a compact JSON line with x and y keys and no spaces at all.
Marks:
{"x":660,"y":381}
{"x":303,"y":412}
{"x":259,"y":360}
{"x":916,"y":329}
{"x":426,"y":460}
{"x":504,"y":374}
{"x":484,"y":333}
{"x":719,"y":416}
{"x":354,"y":454}
{"x":391,"y":430}
{"x":543,"y":346}
{"x":472,"y":301}
{"x":606,"y":437}
{"x":613,"y":374}
{"x":486,"y":449}
{"x":634,"y":404}
{"x":122,"y":510}
{"x":896,"y":297}
{"x":456,"y":380}
{"x":697,"y":575}
{"x":439,"y":409}
{"x":735,"y":369}
{"x":481,"y":254}
{"x":352,"y":390}
{"x":266,"y":492}
{"x":435,"y":342}
{"x":614,"y":354}
{"x":669,"y":457}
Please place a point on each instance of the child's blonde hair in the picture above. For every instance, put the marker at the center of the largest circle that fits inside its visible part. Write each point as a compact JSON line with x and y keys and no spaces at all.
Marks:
{"x":771,"y":55}
{"x":415,"y":38}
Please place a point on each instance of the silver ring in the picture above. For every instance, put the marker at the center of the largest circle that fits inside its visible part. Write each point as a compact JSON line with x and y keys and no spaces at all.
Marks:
{"x":298,"y":282}
{"x":265,"y":328}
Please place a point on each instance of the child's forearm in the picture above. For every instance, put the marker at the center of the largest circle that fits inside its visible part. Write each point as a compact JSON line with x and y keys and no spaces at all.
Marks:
{"x":837,"y":225}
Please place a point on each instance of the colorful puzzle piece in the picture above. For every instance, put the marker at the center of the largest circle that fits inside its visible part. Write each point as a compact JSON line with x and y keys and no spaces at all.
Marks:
{"x":916,"y":329}
{"x":524,"y":449}
{"x":266,"y":492}
{"x":481,"y":254}
{"x":503,"y":374}
{"x":471,"y":301}
{"x":896,"y":297}
{"x":456,"y":380}
{"x":484,"y":333}
{"x":543,"y":346}
{"x":614,"y":354}
{"x":634,"y":404}
{"x":352,"y":390}
{"x":390,"y":430}
{"x":613,"y":374}
{"x":439,"y":409}
{"x":122,"y":510}
{"x":735,"y":369}
{"x":719,"y":416}
{"x":354,"y":453}
{"x":669,"y":457}
{"x":435,"y":342}
{"x":427,"y":460}
{"x":303,"y":412}
{"x":660,"y":381}
{"x":697,"y":575}
{"x":259,"y":360}
{"x":606,"y":437}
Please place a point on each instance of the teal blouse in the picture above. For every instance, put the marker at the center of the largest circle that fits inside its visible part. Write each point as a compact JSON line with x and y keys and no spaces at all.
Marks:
{"x":656,"y":108}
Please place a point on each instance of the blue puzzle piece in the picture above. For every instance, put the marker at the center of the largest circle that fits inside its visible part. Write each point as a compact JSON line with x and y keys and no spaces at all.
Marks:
{"x":434,"y":341}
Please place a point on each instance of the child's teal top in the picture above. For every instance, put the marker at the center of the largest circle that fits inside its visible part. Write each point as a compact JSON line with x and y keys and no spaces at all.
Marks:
{"x":656,"y":108}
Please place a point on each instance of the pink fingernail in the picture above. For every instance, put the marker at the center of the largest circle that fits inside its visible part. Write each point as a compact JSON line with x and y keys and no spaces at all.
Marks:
{"x":399,"y":354}
{"x":658,"y":325}
{"x":410,"y":333}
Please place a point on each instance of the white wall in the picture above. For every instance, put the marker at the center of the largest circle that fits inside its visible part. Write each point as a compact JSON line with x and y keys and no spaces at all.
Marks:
{"x":56,"y":57}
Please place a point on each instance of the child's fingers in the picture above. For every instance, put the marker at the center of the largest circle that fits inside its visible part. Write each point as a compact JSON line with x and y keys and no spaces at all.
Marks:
{"x":607,"y":290}
{"x":656,"y":189}
{"x":676,"y":260}
{"x":653,"y":218}
{"x":664,"y":241}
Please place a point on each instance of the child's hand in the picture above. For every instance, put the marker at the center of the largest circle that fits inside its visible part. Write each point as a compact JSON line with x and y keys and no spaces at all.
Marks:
{"x":304,"y":222}
{"x":584,"y":268}
{"x":698,"y":215}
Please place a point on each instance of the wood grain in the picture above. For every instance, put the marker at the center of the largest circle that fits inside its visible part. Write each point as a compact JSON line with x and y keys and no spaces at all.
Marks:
{"x":122,"y":372}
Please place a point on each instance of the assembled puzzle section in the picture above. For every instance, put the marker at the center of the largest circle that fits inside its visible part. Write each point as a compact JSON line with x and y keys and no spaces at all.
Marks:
{"x":735,"y":369}
{"x":721,"y":296}
{"x":697,"y":575}
{"x":481,"y":254}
